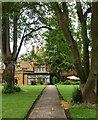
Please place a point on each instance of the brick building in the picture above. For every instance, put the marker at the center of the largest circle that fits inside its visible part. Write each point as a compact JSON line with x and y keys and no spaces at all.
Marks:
{"x":28,"y":72}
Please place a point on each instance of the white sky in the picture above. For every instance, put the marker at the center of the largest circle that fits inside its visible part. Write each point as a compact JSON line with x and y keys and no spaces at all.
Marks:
{"x":28,"y":47}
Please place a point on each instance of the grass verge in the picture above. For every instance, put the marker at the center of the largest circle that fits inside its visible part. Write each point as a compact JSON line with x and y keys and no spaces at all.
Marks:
{"x":76,"y":111}
{"x":17,"y":105}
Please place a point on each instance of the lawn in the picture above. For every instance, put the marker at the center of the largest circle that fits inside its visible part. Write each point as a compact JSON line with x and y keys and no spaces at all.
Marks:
{"x":0,"y":102}
{"x":16,"y":105}
{"x":76,"y":111}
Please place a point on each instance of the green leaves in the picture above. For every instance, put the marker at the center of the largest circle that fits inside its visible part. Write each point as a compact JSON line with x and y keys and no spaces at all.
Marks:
{"x":57,"y":51}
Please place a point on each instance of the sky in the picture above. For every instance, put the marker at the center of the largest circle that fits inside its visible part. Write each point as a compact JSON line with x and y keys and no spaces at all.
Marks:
{"x":28,"y":47}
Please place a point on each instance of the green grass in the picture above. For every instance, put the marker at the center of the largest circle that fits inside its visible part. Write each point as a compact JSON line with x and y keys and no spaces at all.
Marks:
{"x":16,"y":105}
{"x":66,"y":91}
{"x":81,"y":111}
{"x":0,"y":102}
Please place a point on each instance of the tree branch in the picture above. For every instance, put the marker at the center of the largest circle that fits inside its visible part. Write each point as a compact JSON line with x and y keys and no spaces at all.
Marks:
{"x":83,"y":19}
{"x":58,"y":12}
{"x":19,"y":47}
{"x":15,"y":38}
{"x":65,"y":11}
{"x":34,"y":30}
{"x":88,"y":11}
{"x":79,"y":11}
{"x":24,"y":36}
{"x":63,"y":20}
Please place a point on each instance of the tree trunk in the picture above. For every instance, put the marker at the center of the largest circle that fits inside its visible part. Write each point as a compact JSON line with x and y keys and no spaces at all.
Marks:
{"x":83,"y":18}
{"x":8,"y":74}
{"x":7,"y":57}
{"x":58,"y":76}
{"x":87,"y":82}
{"x":89,"y":92}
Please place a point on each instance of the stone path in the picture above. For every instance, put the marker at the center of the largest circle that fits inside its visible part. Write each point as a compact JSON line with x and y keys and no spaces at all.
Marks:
{"x":48,"y":106}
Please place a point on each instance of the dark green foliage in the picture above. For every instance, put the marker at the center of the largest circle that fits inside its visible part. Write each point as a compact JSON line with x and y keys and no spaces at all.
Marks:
{"x":9,"y":89}
{"x":17,"y":89}
{"x":41,"y":82}
{"x":75,"y":83}
{"x":69,"y":83}
{"x":3,"y":84}
{"x":54,"y":80}
{"x":77,"y":96}
{"x":33,"y":82}
{"x":48,"y":83}
{"x":57,"y":51}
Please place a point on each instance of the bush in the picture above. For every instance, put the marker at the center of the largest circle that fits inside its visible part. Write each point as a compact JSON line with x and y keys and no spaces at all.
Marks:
{"x":9,"y":89}
{"x":62,"y":83}
{"x":78,"y":82}
{"x":33,"y":82}
{"x":17,"y":88}
{"x":48,"y":83}
{"x":54,"y":80}
{"x":3,"y":84}
{"x":69,"y":83}
{"x":77,"y":96}
{"x":41,"y":82}
{"x":65,"y":82}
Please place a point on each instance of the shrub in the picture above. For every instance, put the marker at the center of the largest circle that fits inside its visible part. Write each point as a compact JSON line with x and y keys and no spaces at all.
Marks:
{"x":48,"y":83}
{"x":17,"y":88}
{"x":10,"y":89}
{"x":78,"y":82}
{"x":33,"y":82}
{"x":54,"y":80}
{"x":41,"y":82}
{"x":39,"y":78}
{"x":77,"y":96}
{"x":3,"y":84}
{"x":65,"y":82}
{"x":69,"y":83}
{"x":62,"y":83}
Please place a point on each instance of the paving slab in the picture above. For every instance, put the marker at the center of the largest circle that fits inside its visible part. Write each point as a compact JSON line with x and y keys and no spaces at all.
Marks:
{"x":48,"y":106}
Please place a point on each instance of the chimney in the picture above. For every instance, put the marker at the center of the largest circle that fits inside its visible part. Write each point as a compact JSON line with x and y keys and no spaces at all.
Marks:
{"x":37,"y":48}
{"x":33,"y":48}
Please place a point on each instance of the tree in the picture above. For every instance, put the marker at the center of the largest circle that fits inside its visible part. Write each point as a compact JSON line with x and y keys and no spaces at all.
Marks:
{"x":15,"y":28}
{"x":58,"y":54}
{"x":88,"y":77}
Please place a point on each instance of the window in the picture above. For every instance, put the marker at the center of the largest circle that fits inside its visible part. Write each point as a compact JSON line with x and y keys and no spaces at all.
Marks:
{"x":24,"y":69}
{"x":38,"y":69}
{"x":41,"y":68}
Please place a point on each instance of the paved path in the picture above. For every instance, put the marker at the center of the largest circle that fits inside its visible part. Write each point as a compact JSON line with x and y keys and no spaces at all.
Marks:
{"x":48,"y":106}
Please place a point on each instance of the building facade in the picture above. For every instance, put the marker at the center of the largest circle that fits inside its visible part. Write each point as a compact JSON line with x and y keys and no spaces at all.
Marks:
{"x":28,"y":72}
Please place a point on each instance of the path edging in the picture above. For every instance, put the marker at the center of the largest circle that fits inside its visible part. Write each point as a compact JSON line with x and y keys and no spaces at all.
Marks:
{"x":28,"y":113}
{"x":67,"y":113}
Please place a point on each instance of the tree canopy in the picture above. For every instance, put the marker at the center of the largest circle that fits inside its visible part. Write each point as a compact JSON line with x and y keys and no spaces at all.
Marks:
{"x":74,"y":23}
